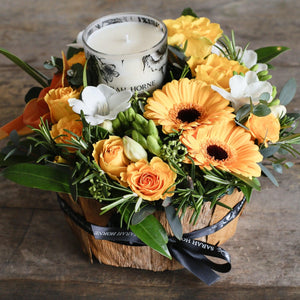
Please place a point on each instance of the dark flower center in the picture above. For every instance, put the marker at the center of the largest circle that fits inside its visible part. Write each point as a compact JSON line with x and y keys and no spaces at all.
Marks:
{"x":188,"y":115}
{"x":217,"y":152}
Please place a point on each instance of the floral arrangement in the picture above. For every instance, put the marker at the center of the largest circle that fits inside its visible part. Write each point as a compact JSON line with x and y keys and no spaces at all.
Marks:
{"x":206,"y":132}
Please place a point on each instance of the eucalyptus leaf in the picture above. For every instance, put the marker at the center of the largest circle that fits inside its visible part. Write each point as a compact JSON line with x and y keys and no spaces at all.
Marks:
{"x":261,"y":110}
{"x":266,"y":54}
{"x":174,"y":221}
{"x":142,"y":214}
{"x":243,"y":112}
{"x":277,"y":168}
{"x":268,"y":174}
{"x":288,"y":92}
{"x":271,"y":150}
{"x":264,"y":97}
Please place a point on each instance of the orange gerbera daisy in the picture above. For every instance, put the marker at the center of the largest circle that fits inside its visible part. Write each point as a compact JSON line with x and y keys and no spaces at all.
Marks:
{"x":225,"y":146}
{"x":186,"y":104}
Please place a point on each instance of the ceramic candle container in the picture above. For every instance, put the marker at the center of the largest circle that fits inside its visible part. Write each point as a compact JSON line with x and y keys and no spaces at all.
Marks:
{"x":128,"y":51}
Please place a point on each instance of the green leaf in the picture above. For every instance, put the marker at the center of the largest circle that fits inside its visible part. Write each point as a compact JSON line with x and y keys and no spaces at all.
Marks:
{"x":271,"y":150}
{"x":254,"y":182}
{"x":32,"y":93}
{"x":265,"y":96}
{"x":288,"y":92}
{"x":266,"y":54}
{"x":35,"y":74}
{"x":174,"y":221}
{"x":189,"y":12}
{"x":142,"y":214}
{"x":153,"y":234}
{"x":261,"y":110}
{"x":44,"y":177}
{"x":268,"y":174}
{"x":243,"y":112}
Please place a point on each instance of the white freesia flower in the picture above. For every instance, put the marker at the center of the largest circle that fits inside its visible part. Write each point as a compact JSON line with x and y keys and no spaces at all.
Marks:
{"x":278,"y":111}
{"x":248,"y":57}
{"x":133,"y":150}
{"x":242,"y":88}
{"x":79,"y":41}
{"x":100,"y":103}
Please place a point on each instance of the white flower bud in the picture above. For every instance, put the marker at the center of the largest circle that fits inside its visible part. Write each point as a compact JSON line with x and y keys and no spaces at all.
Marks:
{"x":107,"y":124}
{"x":133,"y":150}
{"x":278,"y":111}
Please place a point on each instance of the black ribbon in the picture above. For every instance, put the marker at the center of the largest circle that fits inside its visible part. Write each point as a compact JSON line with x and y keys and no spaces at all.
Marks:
{"x":190,"y":253}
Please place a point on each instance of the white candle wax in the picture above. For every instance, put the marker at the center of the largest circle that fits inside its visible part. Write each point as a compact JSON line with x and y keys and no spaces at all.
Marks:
{"x":128,"y":50}
{"x":125,"y":38}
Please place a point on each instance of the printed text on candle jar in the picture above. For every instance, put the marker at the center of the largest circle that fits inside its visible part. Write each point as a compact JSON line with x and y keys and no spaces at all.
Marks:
{"x":138,"y":88}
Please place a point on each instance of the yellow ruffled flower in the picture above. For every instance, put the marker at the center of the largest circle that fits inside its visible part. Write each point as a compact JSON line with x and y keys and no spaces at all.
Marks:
{"x":218,"y":70}
{"x":264,"y":129}
{"x":199,"y":33}
{"x":70,"y":122}
{"x":57,"y":100}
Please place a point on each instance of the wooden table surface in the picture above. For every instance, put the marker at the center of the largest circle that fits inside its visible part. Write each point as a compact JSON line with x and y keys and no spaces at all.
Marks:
{"x":39,"y":256}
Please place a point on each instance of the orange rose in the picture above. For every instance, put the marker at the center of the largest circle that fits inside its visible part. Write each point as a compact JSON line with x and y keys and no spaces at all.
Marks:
{"x":150,"y":180}
{"x":57,"y":100}
{"x":264,"y":129}
{"x":71,"y":123}
{"x":109,"y":155}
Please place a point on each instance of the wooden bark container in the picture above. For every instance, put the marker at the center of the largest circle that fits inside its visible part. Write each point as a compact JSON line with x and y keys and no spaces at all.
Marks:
{"x":144,"y":257}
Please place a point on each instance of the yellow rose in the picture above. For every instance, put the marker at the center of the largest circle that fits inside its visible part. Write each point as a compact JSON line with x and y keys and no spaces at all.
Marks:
{"x":199,"y":33}
{"x":264,"y":129}
{"x":57,"y":100}
{"x":150,"y":180}
{"x":110,"y":156}
{"x":216,"y":70}
{"x":69,"y":122}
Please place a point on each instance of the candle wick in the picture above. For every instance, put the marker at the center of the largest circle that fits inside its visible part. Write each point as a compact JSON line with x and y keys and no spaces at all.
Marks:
{"x":127,"y":38}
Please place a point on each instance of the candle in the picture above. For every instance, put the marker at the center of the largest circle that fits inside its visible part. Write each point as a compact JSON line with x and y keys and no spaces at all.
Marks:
{"x":127,"y":51}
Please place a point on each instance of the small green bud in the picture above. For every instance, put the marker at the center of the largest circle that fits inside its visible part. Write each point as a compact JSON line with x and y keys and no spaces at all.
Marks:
{"x":116,"y":124}
{"x":138,"y":127}
{"x":152,"y":129}
{"x":153,"y":145}
{"x":141,"y":120}
{"x":262,"y":73}
{"x":139,"y":138}
{"x":122,"y":118}
{"x":133,"y":150}
{"x":265,"y":78}
{"x":275,"y":102}
{"x":130,"y":114}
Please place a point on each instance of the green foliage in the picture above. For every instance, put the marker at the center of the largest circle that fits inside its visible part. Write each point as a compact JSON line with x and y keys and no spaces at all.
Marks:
{"x":189,"y":12}
{"x":35,"y":74}
{"x":266,"y":54}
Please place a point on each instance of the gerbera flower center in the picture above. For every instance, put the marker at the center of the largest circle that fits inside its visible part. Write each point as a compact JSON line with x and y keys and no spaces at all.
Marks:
{"x":188,"y":115}
{"x":217,"y":152}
